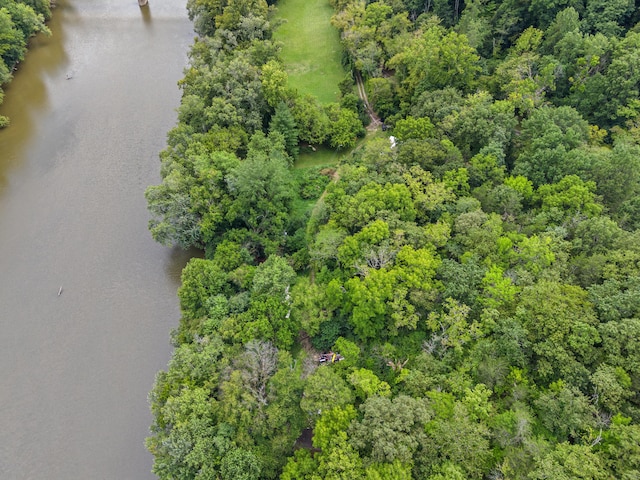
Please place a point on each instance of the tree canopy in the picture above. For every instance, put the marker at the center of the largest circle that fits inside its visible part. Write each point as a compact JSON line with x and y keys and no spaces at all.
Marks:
{"x":459,"y":302}
{"x":19,"y":21}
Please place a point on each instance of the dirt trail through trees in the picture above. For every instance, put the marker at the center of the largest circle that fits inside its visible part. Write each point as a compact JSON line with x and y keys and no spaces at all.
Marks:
{"x":375,"y":120}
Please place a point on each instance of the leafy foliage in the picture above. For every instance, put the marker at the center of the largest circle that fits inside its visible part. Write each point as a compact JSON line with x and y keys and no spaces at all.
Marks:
{"x":19,"y":21}
{"x":476,"y":282}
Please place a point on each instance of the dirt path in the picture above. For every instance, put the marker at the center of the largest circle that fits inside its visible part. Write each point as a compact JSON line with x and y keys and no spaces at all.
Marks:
{"x":335,"y":176}
{"x":375,"y":120}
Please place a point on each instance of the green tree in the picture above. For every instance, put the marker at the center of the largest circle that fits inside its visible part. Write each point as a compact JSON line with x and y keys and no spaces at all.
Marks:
{"x":616,"y":299}
{"x":240,"y":464}
{"x":284,"y":123}
{"x":324,"y":390}
{"x":388,"y":471}
{"x":621,"y":346}
{"x":458,"y":438}
{"x":312,"y":120}
{"x":193,"y":446}
{"x":273,"y":277}
{"x":607,"y":17}
{"x":561,"y":326}
{"x":548,"y":135}
{"x":236,"y":11}
{"x":435,"y":59}
{"x":309,"y":305}
{"x":620,"y":84}
{"x":621,"y":448}
{"x":341,"y":462}
{"x":481,"y":124}
{"x":332,"y":425}
{"x":566,"y":21}
{"x":370,"y":202}
{"x":381,"y":94}
{"x":187,"y":206}
{"x":262,"y":191}
{"x":570,"y":196}
{"x":301,"y":466}
{"x":612,"y":386}
{"x":18,"y":22}
{"x":474,"y":24}
{"x":617,"y":175}
{"x":368,"y":384}
{"x":450,"y":329}
{"x":390,"y":429}
{"x":28,"y":16}
{"x":203,"y":13}
{"x":416,"y":128}
{"x":344,"y":126}
{"x":499,"y":290}
{"x":230,"y":255}
{"x":565,"y":411}
{"x":274,"y":83}
{"x":545,"y":10}
{"x":569,"y":462}
{"x":202,"y":282}
{"x":525,"y":75}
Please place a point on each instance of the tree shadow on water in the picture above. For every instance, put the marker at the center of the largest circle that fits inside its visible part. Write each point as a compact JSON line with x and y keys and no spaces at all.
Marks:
{"x":145,"y":11}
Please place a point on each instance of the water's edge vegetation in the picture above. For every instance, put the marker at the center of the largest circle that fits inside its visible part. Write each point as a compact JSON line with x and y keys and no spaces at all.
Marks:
{"x":19,"y":21}
{"x":476,"y":277}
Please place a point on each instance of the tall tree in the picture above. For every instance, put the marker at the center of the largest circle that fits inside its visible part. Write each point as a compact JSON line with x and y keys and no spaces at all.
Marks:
{"x":284,"y":123}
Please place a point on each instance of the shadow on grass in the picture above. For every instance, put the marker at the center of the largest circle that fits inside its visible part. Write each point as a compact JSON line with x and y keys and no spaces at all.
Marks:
{"x":322,"y":156}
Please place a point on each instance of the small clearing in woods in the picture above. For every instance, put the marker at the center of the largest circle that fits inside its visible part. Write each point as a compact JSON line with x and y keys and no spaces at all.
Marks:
{"x":312,"y":51}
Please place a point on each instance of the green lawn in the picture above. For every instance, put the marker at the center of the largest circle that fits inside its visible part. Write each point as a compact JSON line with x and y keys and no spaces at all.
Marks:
{"x":312,"y":50}
{"x":323,"y":156}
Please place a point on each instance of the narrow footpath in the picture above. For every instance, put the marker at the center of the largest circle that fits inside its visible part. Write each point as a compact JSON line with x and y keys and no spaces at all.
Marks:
{"x":362,"y":93}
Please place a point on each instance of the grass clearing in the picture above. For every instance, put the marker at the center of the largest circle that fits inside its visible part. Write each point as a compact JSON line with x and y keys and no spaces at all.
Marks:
{"x":312,"y":51}
{"x":324,"y":156}
{"x":320,"y":157}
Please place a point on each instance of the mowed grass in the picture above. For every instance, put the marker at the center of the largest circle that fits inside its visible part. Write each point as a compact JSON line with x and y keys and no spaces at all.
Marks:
{"x":321,"y":157}
{"x":312,"y":50}
{"x":324,"y":156}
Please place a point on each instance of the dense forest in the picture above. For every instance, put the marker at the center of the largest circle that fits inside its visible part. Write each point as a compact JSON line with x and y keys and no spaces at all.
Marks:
{"x":19,"y":21}
{"x":474,"y":284}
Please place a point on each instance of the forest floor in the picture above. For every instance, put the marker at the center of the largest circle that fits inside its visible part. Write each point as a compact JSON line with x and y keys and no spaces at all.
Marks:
{"x":312,"y":51}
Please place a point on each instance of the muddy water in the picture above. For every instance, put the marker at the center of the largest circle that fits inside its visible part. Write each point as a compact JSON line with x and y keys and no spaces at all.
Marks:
{"x":89,"y":108}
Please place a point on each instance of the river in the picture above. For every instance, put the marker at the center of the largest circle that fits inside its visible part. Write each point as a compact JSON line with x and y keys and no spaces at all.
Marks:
{"x":90,"y":108}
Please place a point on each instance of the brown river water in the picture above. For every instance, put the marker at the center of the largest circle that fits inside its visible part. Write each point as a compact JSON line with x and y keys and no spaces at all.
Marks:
{"x":90,"y":108}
